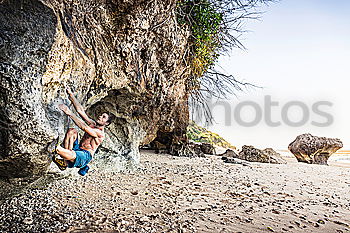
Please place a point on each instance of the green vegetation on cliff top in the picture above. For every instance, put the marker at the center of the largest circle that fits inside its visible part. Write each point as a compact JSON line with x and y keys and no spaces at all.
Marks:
{"x":215,"y":28}
{"x":202,"y":135}
{"x":204,"y":22}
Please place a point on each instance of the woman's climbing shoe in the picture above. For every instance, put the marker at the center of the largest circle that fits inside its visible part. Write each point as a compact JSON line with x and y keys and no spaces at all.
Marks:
{"x":61,"y":164}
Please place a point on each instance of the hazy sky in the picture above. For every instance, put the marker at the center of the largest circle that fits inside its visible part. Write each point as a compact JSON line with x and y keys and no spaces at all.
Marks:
{"x":298,"y":51}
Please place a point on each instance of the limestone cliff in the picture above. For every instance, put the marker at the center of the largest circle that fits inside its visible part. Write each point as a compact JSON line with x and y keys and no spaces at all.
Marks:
{"x":124,"y":56}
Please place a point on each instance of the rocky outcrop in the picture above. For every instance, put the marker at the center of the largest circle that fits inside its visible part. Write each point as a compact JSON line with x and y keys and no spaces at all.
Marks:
{"x":314,"y":150}
{"x":126,"y":57}
{"x":231,"y":157}
{"x":186,"y":150}
{"x":273,"y":156}
{"x":251,"y":154}
{"x":229,"y":154}
{"x":207,"y":148}
{"x":183,"y":148}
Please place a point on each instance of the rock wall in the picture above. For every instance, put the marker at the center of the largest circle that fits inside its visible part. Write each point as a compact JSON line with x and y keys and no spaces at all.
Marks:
{"x":123,"y":56}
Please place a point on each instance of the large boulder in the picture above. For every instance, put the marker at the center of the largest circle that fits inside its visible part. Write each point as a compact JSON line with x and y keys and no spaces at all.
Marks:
{"x":251,"y":154}
{"x":314,"y":150}
{"x":273,"y":156}
{"x":126,"y":57}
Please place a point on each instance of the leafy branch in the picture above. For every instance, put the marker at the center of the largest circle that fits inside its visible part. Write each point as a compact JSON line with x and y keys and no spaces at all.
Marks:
{"x":215,"y":26}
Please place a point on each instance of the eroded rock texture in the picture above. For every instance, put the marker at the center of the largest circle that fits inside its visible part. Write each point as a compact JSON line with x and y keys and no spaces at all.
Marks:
{"x":314,"y":150}
{"x":251,"y":154}
{"x":127,"y":57}
{"x":208,"y":148}
{"x":229,"y":154}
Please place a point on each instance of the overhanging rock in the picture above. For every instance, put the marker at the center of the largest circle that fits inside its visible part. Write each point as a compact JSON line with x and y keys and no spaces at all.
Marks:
{"x":126,"y":57}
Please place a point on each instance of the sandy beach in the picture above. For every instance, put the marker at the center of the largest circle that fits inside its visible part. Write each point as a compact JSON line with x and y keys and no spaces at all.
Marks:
{"x":177,"y":194}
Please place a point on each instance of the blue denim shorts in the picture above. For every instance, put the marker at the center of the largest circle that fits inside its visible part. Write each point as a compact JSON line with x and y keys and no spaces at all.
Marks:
{"x":83,"y":157}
